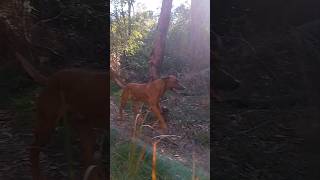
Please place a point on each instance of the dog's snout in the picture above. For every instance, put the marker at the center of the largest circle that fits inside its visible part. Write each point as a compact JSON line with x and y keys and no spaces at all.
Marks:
{"x":180,"y":87}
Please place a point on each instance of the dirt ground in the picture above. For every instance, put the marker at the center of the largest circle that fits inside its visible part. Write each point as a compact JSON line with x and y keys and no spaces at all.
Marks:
{"x":15,"y":139}
{"x":179,"y":148}
{"x":14,"y":156}
{"x":260,"y":129}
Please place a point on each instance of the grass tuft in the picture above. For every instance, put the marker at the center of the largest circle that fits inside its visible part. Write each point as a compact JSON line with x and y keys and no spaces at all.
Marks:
{"x":166,"y":168}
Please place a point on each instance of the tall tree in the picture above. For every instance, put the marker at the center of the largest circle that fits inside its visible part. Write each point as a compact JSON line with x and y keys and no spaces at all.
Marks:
{"x":128,"y":33}
{"x":130,"y":6}
{"x":157,"y":53}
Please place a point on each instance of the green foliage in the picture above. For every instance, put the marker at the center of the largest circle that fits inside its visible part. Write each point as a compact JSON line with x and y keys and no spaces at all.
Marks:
{"x":203,"y":137}
{"x":115,"y":90}
{"x":138,"y":45}
{"x":24,"y":104}
{"x":11,"y":81}
{"x":179,"y":26}
{"x":17,"y":91}
{"x":178,"y":39}
{"x":128,"y":31}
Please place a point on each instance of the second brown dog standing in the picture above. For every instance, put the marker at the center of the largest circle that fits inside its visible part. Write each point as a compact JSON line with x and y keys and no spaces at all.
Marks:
{"x":149,"y":93}
{"x":80,"y":93}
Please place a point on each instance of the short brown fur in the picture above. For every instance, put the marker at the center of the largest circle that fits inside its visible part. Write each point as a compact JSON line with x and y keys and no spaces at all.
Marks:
{"x":149,"y":93}
{"x":81,"y":93}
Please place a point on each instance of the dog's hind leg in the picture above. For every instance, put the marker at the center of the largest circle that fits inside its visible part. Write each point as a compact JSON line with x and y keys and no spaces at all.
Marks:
{"x":155,"y":109}
{"x":49,"y":111}
{"x":124,"y":98}
{"x":136,"y":108}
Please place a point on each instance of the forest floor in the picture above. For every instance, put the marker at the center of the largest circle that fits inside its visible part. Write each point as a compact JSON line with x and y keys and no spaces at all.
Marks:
{"x":14,"y":157}
{"x":259,"y":129}
{"x":188,"y":120}
{"x":15,"y":139}
{"x":257,"y":143}
{"x":179,"y":148}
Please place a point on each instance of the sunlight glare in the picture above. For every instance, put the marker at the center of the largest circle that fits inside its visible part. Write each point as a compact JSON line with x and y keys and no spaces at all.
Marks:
{"x":155,"y":5}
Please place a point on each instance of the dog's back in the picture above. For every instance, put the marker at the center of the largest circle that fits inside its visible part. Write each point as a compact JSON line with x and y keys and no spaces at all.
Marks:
{"x":136,"y":91}
{"x":83,"y":92}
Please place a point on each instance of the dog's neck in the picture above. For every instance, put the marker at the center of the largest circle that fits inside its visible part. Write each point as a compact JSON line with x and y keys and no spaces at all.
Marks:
{"x":166,"y":87}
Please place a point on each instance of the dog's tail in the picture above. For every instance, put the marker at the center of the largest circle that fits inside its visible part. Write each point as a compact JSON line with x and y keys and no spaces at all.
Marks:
{"x":115,"y":77}
{"x":32,"y":72}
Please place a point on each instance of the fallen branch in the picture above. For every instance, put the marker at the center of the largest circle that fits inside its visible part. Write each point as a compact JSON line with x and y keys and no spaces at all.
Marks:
{"x":255,"y":127}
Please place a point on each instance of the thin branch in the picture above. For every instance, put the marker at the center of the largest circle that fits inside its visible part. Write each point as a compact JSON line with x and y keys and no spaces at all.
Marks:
{"x":165,"y":136}
{"x":46,"y":20}
{"x":88,"y":171}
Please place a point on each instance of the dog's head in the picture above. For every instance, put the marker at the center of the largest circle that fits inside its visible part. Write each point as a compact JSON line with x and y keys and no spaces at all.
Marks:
{"x":172,"y":83}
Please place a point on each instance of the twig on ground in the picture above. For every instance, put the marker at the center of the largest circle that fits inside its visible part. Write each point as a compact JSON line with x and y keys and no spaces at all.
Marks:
{"x":255,"y":127}
{"x":147,"y":125}
{"x":164,"y":136}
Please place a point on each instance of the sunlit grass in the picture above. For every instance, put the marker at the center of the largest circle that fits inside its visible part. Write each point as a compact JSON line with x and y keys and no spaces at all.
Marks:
{"x":166,"y":168}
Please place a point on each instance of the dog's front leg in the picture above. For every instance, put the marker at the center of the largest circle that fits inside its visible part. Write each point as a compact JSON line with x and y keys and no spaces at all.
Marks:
{"x":159,"y":106}
{"x":155,"y":109}
{"x":123,"y":102}
{"x":47,"y":116}
{"x":136,"y":107}
{"x":87,"y":142}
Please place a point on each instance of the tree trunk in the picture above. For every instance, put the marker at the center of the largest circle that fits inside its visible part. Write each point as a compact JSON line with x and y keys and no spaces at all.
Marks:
{"x":130,"y":5}
{"x":157,"y":53}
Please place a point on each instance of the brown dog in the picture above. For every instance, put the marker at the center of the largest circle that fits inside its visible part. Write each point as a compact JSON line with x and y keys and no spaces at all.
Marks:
{"x":81,"y":93}
{"x":149,"y":93}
